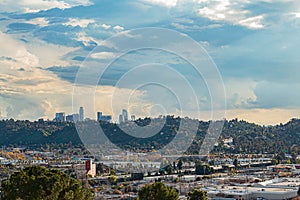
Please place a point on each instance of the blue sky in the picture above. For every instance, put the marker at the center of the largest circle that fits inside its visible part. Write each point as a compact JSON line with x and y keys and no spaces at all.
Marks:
{"x":254,"y":45}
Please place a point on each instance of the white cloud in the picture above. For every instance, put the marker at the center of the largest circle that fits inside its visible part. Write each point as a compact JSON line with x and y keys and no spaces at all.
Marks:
{"x":14,"y":49}
{"x":49,"y":54}
{"x":23,"y":92}
{"x":41,"y":21}
{"x":239,"y":91}
{"x":180,"y":26}
{"x":27,"y":58}
{"x":105,"y":26}
{"x":103,"y":55}
{"x":118,"y":28}
{"x":130,"y":34}
{"x":83,"y":37}
{"x":43,"y":4}
{"x":37,"y":5}
{"x":229,"y":11}
{"x":79,"y":22}
{"x":24,"y":86}
{"x":32,"y":93}
{"x":167,"y":3}
{"x":253,"y":22}
{"x":33,"y":53}
{"x":48,"y":108}
{"x":296,"y":14}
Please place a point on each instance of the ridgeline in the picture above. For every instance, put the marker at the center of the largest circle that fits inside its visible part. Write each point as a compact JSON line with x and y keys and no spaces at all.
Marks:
{"x":246,"y":137}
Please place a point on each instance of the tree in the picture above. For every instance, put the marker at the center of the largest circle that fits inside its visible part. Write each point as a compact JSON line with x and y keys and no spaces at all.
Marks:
{"x":274,"y":161}
{"x":168,"y":169}
{"x":100,"y":168}
{"x":137,"y":176}
{"x":35,"y":182}
{"x":294,"y":153}
{"x":280,"y":156}
{"x":112,"y":179}
{"x":157,"y":191}
{"x":197,"y":195}
{"x":179,"y":165}
{"x":203,"y":169}
{"x":236,"y":163}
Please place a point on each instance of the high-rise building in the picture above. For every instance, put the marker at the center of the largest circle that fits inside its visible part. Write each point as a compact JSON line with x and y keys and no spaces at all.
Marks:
{"x":99,"y":116}
{"x":106,"y":118}
{"x":81,"y":114}
{"x":75,"y":117}
{"x":120,"y":119}
{"x":125,"y":115}
{"x":69,"y":118}
{"x":60,"y":117}
{"x":132,"y":117}
{"x":72,"y":118}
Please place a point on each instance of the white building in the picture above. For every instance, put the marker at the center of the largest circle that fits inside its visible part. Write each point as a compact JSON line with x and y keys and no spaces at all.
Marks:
{"x":252,"y":193}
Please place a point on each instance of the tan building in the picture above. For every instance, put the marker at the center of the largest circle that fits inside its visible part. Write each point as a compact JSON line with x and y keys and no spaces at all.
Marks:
{"x":90,"y":168}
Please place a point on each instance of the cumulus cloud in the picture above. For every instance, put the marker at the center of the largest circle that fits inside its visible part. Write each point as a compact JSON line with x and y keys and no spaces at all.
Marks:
{"x":83,"y":23}
{"x":14,"y":49}
{"x":118,"y":28}
{"x":229,"y":11}
{"x":47,"y":108}
{"x":87,"y":40}
{"x":37,"y":5}
{"x":24,"y":85}
{"x":23,"y":94}
{"x":41,"y":21}
{"x":233,"y":12}
{"x":239,"y":92}
{"x":105,"y":26}
{"x":167,"y":3}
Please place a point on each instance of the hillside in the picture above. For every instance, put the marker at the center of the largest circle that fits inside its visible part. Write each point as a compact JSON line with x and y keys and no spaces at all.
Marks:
{"x":246,"y":137}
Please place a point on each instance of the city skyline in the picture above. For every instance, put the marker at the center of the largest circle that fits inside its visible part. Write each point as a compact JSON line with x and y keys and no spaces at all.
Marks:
{"x":253,"y":44}
{"x":77,"y":117}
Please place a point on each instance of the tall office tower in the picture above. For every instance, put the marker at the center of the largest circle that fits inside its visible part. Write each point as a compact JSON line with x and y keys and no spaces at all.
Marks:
{"x":60,"y":117}
{"x":69,"y":118}
{"x":75,"y":117}
{"x":99,"y":116}
{"x":125,"y":115}
{"x":120,"y":119}
{"x":132,"y":117}
{"x":81,"y":114}
{"x":106,"y":118}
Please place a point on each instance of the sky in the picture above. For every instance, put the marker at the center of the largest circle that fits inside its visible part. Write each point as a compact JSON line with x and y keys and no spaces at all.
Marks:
{"x":252,"y":46}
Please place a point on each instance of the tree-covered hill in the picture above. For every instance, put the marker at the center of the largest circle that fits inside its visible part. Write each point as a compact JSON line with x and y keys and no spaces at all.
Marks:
{"x":246,"y":137}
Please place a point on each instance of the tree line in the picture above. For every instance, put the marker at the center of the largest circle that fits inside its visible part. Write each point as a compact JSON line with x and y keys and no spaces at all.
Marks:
{"x":248,"y":138}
